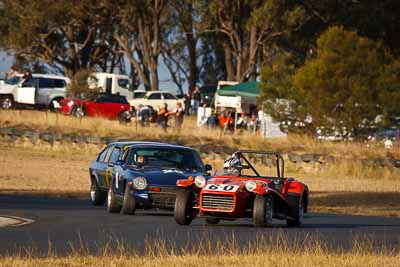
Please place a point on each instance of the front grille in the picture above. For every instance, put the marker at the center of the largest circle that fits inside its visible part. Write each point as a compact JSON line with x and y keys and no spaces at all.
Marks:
{"x":217,"y":202}
{"x":163,"y":199}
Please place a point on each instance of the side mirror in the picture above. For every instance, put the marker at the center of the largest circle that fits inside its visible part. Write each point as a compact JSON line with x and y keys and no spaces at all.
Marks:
{"x":119,"y":162}
{"x":208,"y":167}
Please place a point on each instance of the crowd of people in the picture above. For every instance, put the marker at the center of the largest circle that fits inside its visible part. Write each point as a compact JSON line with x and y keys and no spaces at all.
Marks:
{"x":226,"y":121}
{"x":146,"y":115}
{"x":223,"y":120}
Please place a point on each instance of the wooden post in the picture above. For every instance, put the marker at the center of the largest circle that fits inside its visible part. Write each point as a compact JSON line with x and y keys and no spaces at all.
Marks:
{"x":234,"y":126}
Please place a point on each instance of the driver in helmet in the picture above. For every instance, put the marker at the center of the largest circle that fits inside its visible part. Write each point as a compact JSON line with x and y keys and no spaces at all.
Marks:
{"x":233,"y":165}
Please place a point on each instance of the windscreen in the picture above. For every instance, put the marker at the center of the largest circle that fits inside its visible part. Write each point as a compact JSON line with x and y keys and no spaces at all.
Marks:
{"x":265,"y":165}
{"x":177,"y":158}
{"x":139,"y":94}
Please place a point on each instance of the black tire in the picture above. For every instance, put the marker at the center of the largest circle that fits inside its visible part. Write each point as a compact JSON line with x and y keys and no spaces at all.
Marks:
{"x":211,"y":220}
{"x":78,"y":111}
{"x":112,"y":204}
{"x":51,"y":105}
{"x":97,"y":197}
{"x":263,"y":210}
{"x":183,"y":211}
{"x":129,"y":204}
{"x":297,"y":204}
{"x":124,"y":117}
{"x":7,"y":102}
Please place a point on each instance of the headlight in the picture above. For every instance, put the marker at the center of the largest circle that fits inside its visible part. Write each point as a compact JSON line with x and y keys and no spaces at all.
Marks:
{"x":250,"y":185}
{"x":140,"y":183}
{"x":70,"y":103}
{"x":200,"y":181}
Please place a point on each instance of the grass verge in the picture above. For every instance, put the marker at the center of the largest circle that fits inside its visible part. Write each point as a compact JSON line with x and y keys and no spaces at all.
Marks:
{"x":275,"y":251}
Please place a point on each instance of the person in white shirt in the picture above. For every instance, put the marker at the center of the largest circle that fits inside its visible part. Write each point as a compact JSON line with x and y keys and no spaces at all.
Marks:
{"x":178,"y":113}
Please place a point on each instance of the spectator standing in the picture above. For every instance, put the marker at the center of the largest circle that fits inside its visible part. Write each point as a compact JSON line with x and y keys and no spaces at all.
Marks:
{"x":212,"y":121}
{"x":162,"y":116}
{"x":178,"y":114}
{"x":196,"y":99}
{"x":188,"y":100}
{"x":252,"y":124}
{"x":144,"y":114}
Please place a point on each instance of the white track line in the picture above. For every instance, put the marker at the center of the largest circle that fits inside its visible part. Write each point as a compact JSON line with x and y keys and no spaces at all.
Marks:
{"x":12,"y":221}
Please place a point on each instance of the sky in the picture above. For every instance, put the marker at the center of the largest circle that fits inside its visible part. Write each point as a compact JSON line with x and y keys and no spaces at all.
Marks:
{"x":165,"y":80}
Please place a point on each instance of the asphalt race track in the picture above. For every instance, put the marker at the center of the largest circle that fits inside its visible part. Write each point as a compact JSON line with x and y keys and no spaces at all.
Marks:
{"x":68,"y":223}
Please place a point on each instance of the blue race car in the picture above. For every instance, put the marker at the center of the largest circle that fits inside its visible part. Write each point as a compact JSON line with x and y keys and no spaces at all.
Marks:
{"x":145,"y":175}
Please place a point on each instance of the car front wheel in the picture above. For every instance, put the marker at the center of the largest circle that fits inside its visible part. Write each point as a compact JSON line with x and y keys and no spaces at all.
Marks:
{"x":263,"y":210}
{"x":6,"y":102}
{"x":112,"y":204}
{"x":184,"y":211}
{"x":129,"y":204}
{"x":78,"y":111}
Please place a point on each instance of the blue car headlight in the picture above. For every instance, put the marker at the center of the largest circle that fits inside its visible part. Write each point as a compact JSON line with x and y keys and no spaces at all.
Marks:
{"x":140,"y":183}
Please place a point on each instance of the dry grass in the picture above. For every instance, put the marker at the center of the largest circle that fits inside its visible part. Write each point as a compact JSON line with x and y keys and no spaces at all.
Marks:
{"x":204,"y":139}
{"x":264,"y":252}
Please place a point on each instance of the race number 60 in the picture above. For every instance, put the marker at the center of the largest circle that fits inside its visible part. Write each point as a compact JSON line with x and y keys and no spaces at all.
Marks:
{"x":222,"y":188}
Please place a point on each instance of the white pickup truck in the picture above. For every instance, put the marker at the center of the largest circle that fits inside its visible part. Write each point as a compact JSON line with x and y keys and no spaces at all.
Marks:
{"x":41,"y":90}
{"x":156,"y":99}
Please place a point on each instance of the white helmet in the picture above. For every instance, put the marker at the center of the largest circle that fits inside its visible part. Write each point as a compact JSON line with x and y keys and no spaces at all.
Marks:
{"x":233,"y":165}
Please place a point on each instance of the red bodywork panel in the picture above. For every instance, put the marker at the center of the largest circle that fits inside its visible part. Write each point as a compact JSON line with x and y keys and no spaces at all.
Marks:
{"x":240,"y":194}
{"x":95,"y":109}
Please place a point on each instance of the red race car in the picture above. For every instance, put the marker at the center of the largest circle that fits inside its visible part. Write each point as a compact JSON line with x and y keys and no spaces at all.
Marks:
{"x":109,"y":106}
{"x":237,"y":195}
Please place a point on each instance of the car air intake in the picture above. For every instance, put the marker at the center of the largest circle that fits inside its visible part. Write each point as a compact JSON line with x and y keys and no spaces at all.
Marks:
{"x":217,"y":202}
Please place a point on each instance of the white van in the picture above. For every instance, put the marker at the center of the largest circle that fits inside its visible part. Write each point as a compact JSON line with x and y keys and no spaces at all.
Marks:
{"x":43,"y":90}
{"x":111,"y":83}
{"x":222,"y":102}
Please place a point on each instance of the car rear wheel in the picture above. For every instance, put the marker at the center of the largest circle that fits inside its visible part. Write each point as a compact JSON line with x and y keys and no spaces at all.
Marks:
{"x":129,"y":204}
{"x":183,"y":211}
{"x":211,"y":220}
{"x":112,"y":204}
{"x":297,"y":203}
{"x":263,"y":210}
{"x":97,"y":197}
{"x":124,"y":117}
{"x":6,"y":102}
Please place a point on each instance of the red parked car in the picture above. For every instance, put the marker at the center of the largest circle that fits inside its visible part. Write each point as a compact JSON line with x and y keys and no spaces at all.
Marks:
{"x":237,"y":195}
{"x":109,"y":106}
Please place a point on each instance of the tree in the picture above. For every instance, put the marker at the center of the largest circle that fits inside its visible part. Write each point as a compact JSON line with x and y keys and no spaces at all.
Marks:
{"x":67,"y":35}
{"x":180,"y":43}
{"x":246,"y":26}
{"x":138,"y":28}
{"x":347,"y":84}
{"x":83,"y":85}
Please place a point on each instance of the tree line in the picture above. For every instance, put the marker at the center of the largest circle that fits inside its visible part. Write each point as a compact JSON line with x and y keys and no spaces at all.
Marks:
{"x":203,"y":41}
